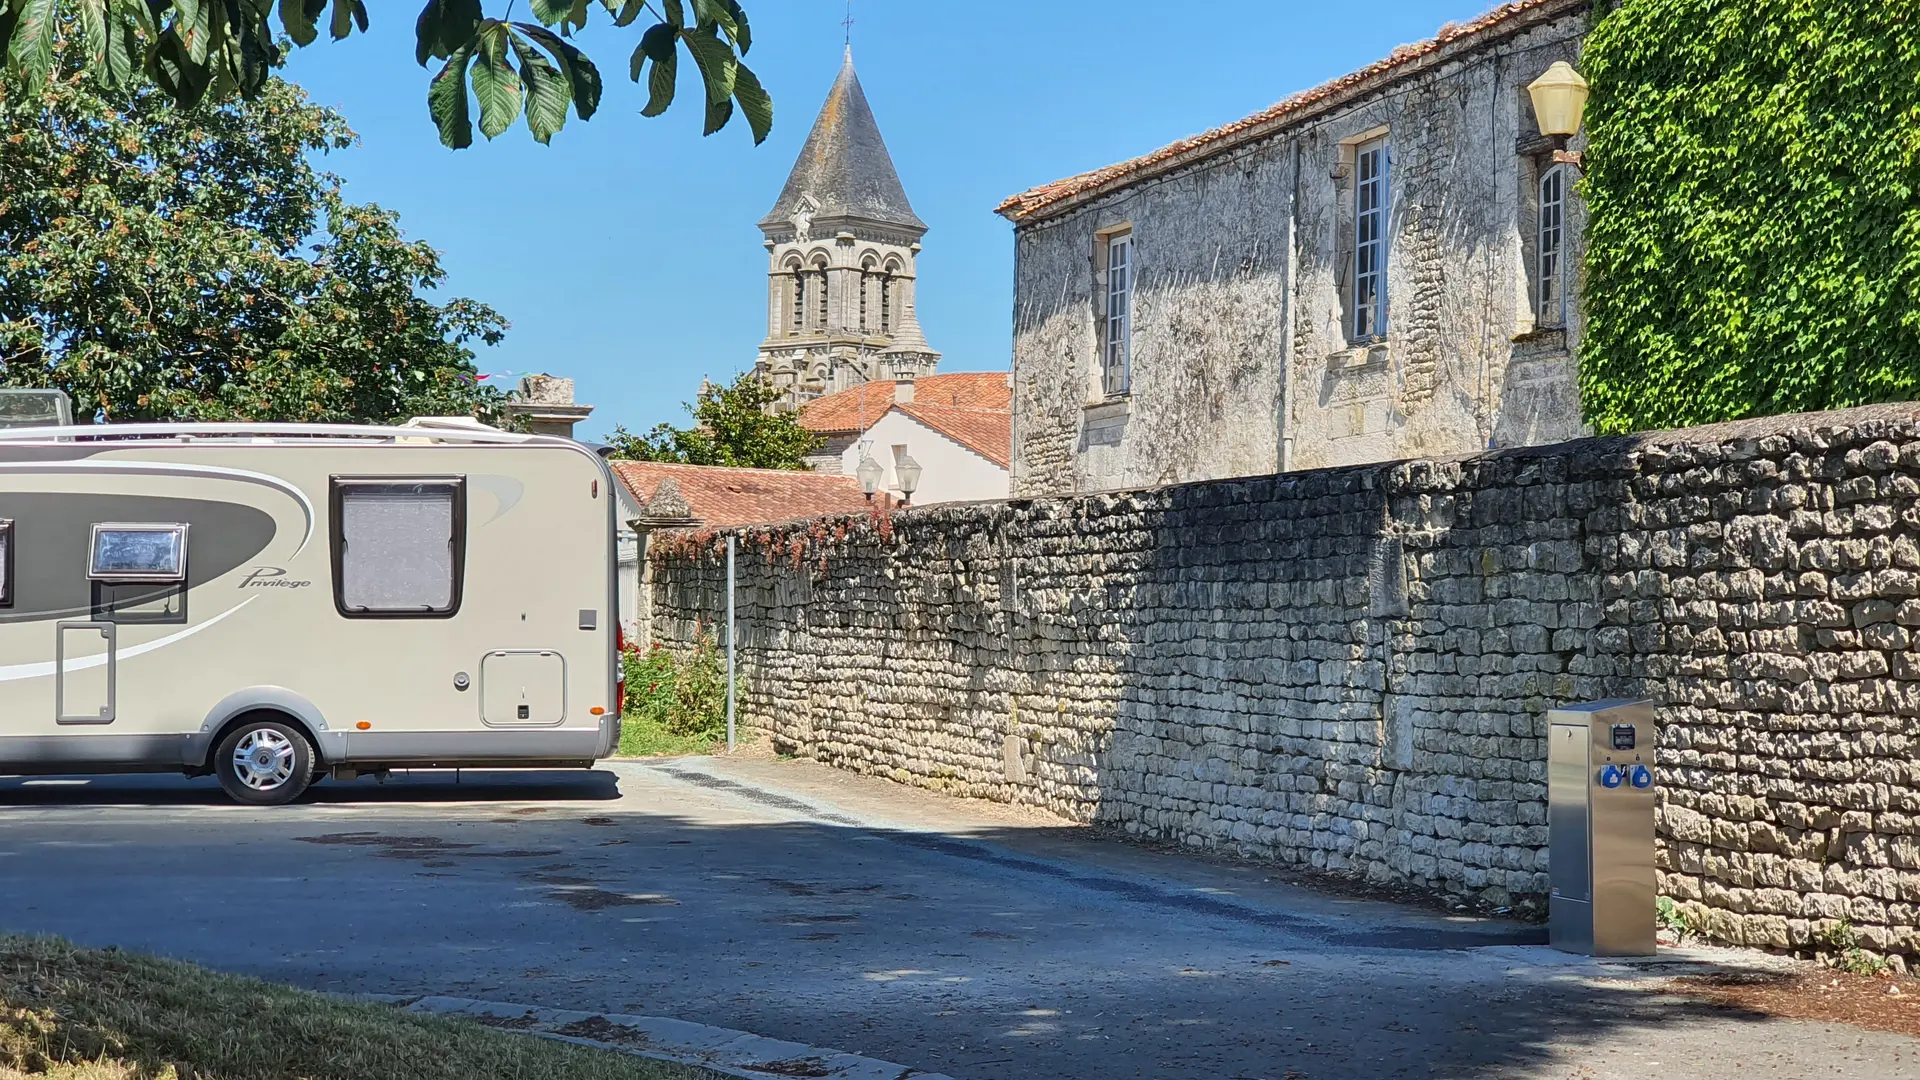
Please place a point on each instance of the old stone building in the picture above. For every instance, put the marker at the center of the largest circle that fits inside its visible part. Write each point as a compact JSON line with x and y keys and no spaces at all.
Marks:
{"x":1378,"y":268}
{"x":842,"y":242}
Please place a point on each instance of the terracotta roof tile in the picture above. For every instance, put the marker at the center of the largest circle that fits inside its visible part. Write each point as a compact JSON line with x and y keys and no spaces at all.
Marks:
{"x":858,"y":408}
{"x":722,"y":497}
{"x":1503,"y":18}
{"x":987,"y":432}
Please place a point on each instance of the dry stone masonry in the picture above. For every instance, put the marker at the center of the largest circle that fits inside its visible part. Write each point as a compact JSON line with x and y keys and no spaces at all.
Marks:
{"x":1349,"y":668}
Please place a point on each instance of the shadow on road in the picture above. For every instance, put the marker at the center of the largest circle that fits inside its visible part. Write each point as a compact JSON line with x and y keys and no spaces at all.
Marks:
{"x":965,"y":956}
{"x":419,"y":786}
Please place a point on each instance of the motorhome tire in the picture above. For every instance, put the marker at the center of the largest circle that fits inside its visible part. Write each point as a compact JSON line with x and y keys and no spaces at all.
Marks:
{"x":264,"y":763}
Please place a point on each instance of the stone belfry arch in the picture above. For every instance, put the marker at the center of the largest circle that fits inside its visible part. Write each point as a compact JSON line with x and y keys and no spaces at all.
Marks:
{"x":842,"y":243}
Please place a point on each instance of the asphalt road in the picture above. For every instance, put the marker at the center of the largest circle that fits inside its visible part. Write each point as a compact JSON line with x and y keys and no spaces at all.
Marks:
{"x":798,"y":903}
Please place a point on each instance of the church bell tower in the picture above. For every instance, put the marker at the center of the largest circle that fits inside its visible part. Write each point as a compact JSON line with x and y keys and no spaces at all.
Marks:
{"x":842,"y":242}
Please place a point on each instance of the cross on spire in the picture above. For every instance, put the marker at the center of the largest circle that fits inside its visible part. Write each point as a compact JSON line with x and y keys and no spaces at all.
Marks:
{"x":848,"y":23}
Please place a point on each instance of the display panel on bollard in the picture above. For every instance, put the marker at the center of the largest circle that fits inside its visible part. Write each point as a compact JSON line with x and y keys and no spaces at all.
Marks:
{"x":1600,"y":799}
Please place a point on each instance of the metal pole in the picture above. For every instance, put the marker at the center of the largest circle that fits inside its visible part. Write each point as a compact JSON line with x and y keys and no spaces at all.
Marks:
{"x":729,"y":644}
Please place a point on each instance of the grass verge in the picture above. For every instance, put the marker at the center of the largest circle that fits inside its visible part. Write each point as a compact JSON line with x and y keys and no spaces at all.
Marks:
{"x":81,"y":1014}
{"x":641,"y":737}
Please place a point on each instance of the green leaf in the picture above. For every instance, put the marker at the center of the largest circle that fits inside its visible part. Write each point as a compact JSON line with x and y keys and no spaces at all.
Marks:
{"x":9,"y":18}
{"x":548,"y":92}
{"x":495,"y":84}
{"x":346,"y":14}
{"x":581,"y":74}
{"x":30,"y":45}
{"x":123,"y":52}
{"x":447,"y":101}
{"x":660,"y":86}
{"x":755,"y":104}
{"x":257,"y":55}
{"x":714,"y":13}
{"x":718,"y":113}
{"x":742,"y":34}
{"x":550,"y":12}
{"x":177,"y":74}
{"x":676,"y":15}
{"x":443,"y":26}
{"x":624,"y":11}
{"x":658,"y":44}
{"x":718,"y":67}
{"x":93,"y":26}
{"x":299,"y":18}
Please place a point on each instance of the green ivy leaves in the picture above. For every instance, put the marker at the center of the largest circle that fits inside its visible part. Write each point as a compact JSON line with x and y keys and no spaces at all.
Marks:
{"x":1753,"y":191}
{"x":209,"y":50}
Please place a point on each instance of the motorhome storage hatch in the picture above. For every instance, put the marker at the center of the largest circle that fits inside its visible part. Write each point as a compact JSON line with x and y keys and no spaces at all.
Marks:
{"x":272,"y":603}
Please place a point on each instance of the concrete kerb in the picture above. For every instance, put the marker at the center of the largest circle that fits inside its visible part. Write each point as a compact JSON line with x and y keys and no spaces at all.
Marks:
{"x":723,"y":1050}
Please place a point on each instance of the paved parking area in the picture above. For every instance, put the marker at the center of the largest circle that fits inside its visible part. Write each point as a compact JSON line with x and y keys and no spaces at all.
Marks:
{"x":803,"y":904}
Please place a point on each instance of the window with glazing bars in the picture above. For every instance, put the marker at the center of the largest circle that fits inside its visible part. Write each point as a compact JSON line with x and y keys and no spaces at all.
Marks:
{"x":1370,"y":241}
{"x":1117,"y":363}
{"x":1552,"y":247}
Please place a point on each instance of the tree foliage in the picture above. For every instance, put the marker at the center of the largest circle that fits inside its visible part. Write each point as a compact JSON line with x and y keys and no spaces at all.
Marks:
{"x":732,"y":427}
{"x":1753,"y":183}
{"x":162,"y":263}
{"x":213,"y":50}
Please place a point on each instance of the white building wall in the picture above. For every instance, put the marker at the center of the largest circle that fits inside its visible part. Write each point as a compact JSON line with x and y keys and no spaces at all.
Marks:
{"x":950,"y":472}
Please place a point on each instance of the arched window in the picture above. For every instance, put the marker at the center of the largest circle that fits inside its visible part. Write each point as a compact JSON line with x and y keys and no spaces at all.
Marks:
{"x":866,"y":284}
{"x":886,"y":303}
{"x":798,"y":313}
{"x":820,"y":296}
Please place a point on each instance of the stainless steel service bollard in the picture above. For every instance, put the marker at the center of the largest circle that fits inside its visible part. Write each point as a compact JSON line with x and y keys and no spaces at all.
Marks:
{"x":1600,"y":797}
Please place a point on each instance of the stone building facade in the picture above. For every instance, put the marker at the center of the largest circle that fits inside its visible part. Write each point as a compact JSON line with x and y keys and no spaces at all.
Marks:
{"x":1350,"y":668}
{"x":1358,"y":273}
{"x":842,"y":247}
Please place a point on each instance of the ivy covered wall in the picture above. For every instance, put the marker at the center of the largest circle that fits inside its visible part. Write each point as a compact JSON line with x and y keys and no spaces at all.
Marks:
{"x":1753,"y":179}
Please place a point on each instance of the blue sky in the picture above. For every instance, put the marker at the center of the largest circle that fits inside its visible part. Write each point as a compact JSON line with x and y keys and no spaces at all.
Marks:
{"x":625,"y":253}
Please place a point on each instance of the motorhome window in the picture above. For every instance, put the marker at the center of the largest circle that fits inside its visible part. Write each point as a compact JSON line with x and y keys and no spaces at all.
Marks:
{"x":398,"y":547}
{"x":6,"y":562}
{"x":138,"y":553}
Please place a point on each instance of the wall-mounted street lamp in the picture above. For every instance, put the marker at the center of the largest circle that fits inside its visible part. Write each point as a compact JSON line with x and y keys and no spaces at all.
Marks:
{"x":870,"y":474}
{"x":907,"y":471}
{"x":1559,"y":104}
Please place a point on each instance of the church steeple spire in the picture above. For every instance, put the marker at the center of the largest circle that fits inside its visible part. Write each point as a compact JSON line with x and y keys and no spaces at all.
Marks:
{"x":842,"y":242}
{"x":845,"y":167}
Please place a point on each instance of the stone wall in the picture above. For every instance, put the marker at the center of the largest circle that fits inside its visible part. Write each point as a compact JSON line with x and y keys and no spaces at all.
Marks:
{"x":1242,"y":275}
{"x":1349,"y":668}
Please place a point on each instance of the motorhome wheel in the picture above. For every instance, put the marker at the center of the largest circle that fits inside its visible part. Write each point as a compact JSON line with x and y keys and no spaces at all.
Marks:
{"x":265,"y":763}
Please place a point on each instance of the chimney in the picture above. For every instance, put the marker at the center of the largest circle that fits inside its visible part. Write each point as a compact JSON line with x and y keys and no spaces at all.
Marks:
{"x":903,"y":391}
{"x":545,"y":404}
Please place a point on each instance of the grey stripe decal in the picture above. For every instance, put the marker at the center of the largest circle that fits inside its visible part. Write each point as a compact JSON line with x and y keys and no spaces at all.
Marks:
{"x":166,"y":469}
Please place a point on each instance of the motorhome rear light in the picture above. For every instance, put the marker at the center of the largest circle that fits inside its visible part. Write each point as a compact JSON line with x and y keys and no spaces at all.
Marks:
{"x":598,"y":711}
{"x":620,"y":660}
{"x":363,"y":725}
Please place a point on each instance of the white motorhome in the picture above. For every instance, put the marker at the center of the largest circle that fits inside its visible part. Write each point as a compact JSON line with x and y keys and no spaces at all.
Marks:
{"x":271,"y":603}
